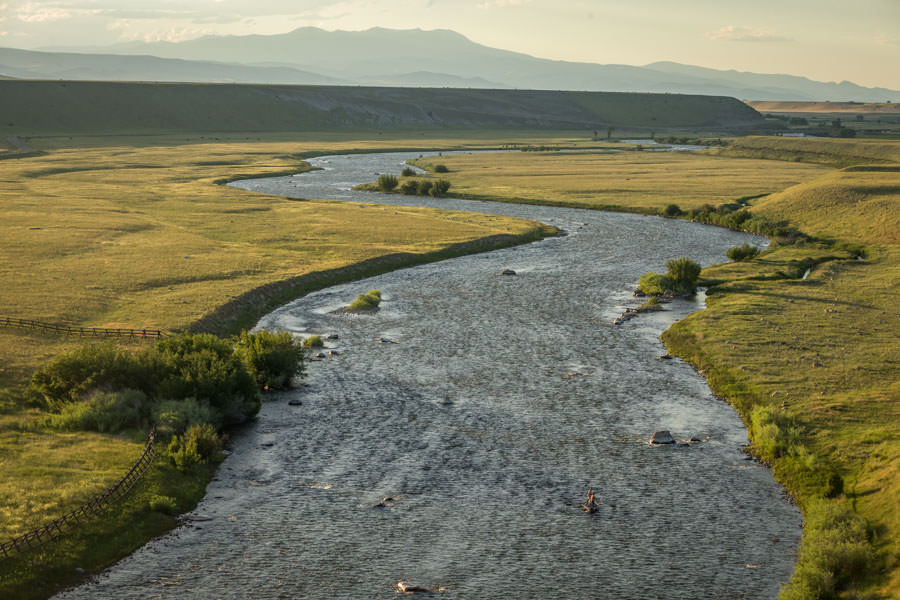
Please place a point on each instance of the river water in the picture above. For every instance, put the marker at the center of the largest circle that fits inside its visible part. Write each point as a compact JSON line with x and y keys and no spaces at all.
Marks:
{"x":484,"y":406}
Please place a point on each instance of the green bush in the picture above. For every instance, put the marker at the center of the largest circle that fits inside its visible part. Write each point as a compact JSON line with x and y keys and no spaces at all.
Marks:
{"x":367,"y":301}
{"x":272,"y":358}
{"x":671,"y":210}
{"x":441,"y":169}
{"x":835,"y":552}
{"x":409,"y":187}
{"x":386,"y":182}
{"x":424,"y":187}
{"x":68,"y":378}
{"x":313,"y":341}
{"x":172,"y":417}
{"x":199,"y":444}
{"x":654,"y":284}
{"x":204,"y":367}
{"x":106,"y":412}
{"x":742,"y":252}
{"x":177,"y":382}
{"x":439,"y":188}
{"x":408,"y":172}
{"x":164,"y":504}
{"x":683,"y":273}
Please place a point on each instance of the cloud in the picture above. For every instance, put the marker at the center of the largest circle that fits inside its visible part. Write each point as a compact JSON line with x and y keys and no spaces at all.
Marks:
{"x":882,"y":39}
{"x":127,"y":31}
{"x":501,"y":3}
{"x":732,"y":33}
{"x":31,"y":12}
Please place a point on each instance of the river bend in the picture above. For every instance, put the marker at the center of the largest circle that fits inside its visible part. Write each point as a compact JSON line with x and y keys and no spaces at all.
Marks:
{"x":484,"y":406}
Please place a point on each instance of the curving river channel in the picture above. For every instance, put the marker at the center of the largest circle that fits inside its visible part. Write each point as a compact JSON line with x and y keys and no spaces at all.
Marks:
{"x":484,"y":412}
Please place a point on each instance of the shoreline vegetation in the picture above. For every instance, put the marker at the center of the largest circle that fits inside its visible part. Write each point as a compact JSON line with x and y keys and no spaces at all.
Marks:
{"x":799,"y":338}
{"x":830,"y":439}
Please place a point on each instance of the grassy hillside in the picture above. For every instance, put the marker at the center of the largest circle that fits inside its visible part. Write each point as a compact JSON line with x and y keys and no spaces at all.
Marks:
{"x":40,"y":107}
{"x":813,"y":366}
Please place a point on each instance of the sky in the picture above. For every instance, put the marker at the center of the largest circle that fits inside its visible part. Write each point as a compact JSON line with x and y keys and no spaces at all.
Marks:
{"x":825,"y":40}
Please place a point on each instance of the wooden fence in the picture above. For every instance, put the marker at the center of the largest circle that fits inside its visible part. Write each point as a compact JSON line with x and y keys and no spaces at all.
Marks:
{"x":98,"y":504}
{"x":81,"y":331}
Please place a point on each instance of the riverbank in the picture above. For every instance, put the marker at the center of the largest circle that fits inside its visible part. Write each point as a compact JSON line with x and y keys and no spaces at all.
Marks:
{"x":174,"y":249}
{"x":810,"y":364}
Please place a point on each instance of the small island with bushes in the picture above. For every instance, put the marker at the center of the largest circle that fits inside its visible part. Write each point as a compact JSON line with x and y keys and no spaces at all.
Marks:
{"x":367,"y":302}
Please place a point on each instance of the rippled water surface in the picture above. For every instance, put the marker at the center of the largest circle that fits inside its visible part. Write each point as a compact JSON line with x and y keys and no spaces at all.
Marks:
{"x":484,"y":412}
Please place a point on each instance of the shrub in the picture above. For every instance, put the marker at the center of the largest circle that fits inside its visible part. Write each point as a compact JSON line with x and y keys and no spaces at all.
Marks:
{"x":441,"y":169}
{"x":164,"y":504}
{"x":386,"y":182}
{"x":439,"y":188}
{"x":409,"y":187}
{"x":200,"y":367}
{"x":684,"y":273}
{"x":424,"y":187}
{"x":367,"y":301}
{"x":69,"y":377}
{"x":106,"y":412}
{"x":742,"y":252}
{"x":176,"y":416}
{"x":654,"y":284}
{"x":204,"y":367}
{"x":313,"y":341}
{"x":835,"y":551}
{"x":198,"y":445}
{"x":272,"y":358}
{"x":408,"y":172}
{"x":671,"y":210}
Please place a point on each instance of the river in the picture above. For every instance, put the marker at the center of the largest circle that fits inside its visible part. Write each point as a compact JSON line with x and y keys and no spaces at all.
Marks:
{"x":483,"y":406}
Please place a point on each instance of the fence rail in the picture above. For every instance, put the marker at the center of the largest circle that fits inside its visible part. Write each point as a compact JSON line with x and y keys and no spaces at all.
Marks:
{"x":98,"y":504}
{"x":104,"y":332}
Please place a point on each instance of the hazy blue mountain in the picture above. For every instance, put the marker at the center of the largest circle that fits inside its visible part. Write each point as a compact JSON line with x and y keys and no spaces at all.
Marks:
{"x":429,"y":79}
{"x":112,"y":67}
{"x":777,"y":84}
{"x":404,"y":57}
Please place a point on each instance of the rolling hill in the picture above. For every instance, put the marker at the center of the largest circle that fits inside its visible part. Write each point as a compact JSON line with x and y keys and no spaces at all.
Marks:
{"x":45,"y":107}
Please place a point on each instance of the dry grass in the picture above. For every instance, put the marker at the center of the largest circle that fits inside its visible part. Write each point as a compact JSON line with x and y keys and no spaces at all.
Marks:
{"x":641,"y":181}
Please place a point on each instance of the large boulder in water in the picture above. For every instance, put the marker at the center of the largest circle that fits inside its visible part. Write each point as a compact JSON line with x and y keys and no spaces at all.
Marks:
{"x":661,"y":437}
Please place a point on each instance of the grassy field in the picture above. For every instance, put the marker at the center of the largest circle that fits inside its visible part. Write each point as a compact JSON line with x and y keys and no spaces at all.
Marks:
{"x":820,"y":355}
{"x":140,"y":235}
{"x":824,"y":151}
{"x":853,"y":108}
{"x":630,"y":181}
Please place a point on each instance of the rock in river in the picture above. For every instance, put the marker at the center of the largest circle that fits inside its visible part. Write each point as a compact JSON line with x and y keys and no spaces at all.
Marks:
{"x":661,"y":437}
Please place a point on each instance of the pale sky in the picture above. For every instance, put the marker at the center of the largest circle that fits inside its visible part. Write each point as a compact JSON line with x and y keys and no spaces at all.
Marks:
{"x":826,"y":40}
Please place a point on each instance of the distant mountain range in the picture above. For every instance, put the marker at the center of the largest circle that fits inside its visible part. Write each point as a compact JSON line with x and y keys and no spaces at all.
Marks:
{"x":414,"y":58}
